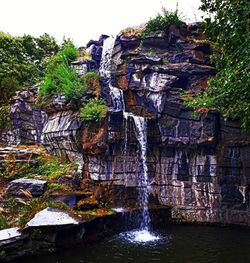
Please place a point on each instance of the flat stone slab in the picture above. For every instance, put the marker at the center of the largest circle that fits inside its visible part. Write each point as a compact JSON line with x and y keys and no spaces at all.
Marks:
{"x":51,"y":217}
{"x":34,"y":186}
{"x":10,"y":235}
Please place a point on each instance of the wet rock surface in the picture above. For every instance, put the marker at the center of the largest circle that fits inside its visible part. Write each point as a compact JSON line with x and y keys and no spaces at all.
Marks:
{"x":19,"y":186}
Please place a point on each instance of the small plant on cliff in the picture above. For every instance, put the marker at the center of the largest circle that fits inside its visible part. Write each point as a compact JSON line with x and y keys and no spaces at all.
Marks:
{"x":60,"y":78}
{"x":3,"y":222}
{"x":131,"y":32}
{"x":162,"y":22}
{"x":94,"y":110}
{"x":45,"y":165}
{"x":91,"y":80}
{"x":5,"y":121}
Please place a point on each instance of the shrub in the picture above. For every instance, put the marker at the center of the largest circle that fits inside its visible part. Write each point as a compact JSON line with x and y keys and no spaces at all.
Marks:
{"x":94,"y":110}
{"x":162,"y":22}
{"x":60,"y":78}
{"x":228,"y":92}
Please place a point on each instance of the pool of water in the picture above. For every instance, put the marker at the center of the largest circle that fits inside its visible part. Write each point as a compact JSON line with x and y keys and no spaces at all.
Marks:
{"x":175,"y":244}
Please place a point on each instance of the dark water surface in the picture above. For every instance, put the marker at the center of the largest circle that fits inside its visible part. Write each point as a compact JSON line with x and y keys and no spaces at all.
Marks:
{"x":178,"y":244}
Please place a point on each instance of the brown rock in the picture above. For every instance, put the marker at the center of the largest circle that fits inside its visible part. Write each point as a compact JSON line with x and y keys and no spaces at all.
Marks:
{"x":88,"y":203}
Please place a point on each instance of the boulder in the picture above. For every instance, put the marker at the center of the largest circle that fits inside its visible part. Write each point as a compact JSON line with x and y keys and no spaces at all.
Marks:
{"x":18,"y":187}
{"x":51,"y":217}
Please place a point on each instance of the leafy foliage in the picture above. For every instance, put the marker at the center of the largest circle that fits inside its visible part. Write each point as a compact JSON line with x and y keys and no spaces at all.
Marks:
{"x":229,"y":90}
{"x":60,"y":78}
{"x":94,"y":110}
{"x":22,"y":61}
{"x":5,"y":121}
{"x":162,"y":22}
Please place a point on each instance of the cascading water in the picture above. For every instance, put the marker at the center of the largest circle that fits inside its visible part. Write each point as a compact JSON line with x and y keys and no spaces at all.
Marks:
{"x":143,"y":234}
{"x":141,"y":135}
{"x":105,"y":72}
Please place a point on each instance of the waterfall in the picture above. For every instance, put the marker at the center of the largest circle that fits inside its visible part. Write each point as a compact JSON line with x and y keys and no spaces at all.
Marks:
{"x":141,"y":135}
{"x":143,"y":235}
{"x":105,"y":73}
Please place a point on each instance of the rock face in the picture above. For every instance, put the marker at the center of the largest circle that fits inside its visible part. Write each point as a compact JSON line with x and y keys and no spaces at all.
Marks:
{"x":27,"y":119}
{"x":198,"y":164}
{"x":18,"y":187}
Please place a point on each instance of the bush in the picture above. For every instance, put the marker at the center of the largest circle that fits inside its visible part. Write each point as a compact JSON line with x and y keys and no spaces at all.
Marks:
{"x":228,"y":92}
{"x":94,"y":110}
{"x":162,"y":22}
{"x":60,"y":78}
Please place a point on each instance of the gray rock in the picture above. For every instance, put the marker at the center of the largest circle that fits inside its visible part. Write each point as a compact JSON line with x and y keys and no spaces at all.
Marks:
{"x":35,"y":187}
{"x":51,"y":217}
{"x":27,"y":119}
{"x":184,"y":69}
{"x":10,"y":235}
{"x":144,"y":59}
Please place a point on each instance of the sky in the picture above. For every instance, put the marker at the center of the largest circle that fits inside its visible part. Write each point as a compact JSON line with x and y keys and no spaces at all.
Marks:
{"x":82,"y":20}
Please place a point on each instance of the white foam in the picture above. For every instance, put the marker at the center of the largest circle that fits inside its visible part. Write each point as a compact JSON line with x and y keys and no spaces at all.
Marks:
{"x":118,"y":209}
{"x":140,"y":236}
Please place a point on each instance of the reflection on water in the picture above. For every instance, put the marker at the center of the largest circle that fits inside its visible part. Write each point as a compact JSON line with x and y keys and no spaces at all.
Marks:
{"x":176,"y":244}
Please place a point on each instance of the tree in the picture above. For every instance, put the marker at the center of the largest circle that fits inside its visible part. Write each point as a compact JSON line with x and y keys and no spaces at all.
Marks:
{"x":228,"y":30}
{"x":23,"y":61}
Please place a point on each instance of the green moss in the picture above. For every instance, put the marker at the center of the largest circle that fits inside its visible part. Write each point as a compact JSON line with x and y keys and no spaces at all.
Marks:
{"x":94,"y":110}
{"x":5,"y":121}
{"x":151,"y":52}
{"x":36,"y":234}
{"x":2,"y":254}
{"x":168,"y":124}
{"x":3,"y":222}
{"x":165,"y":61}
{"x":57,"y":187}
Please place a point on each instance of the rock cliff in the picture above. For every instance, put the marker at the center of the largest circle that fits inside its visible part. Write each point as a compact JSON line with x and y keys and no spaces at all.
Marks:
{"x":198,"y":164}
